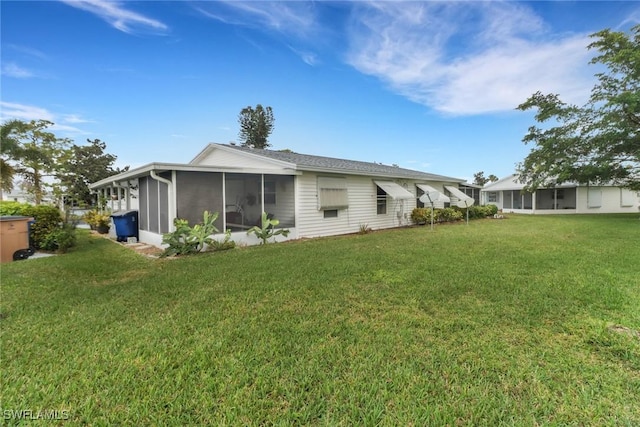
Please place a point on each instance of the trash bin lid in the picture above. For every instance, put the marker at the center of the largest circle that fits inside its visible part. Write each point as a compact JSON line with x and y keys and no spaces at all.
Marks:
{"x":123,"y":213}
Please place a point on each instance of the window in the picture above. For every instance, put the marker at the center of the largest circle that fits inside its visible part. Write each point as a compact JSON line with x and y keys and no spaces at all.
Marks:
{"x":332,"y":193}
{"x":331,"y":213}
{"x":492,"y":197}
{"x":594,"y":198}
{"x":627,"y":198}
{"x":419,"y":192}
{"x":381,"y":201}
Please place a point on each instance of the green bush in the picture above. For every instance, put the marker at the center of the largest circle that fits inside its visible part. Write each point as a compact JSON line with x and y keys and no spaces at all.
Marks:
{"x":420,"y":215}
{"x":423,"y":215}
{"x":450,"y":215}
{"x":47,"y":220}
{"x":48,"y":232}
{"x":267,"y":229}
{"x":12,"y":208}
{"x":60,"y":239}
{"x":492,"y":209}
{"x":185,"y":240}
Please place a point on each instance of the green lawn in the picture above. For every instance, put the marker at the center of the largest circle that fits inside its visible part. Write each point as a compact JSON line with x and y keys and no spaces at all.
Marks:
{"x":531,"y":320}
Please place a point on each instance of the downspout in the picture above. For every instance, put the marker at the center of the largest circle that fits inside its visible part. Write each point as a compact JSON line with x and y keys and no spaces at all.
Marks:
{"x":170,"y":192}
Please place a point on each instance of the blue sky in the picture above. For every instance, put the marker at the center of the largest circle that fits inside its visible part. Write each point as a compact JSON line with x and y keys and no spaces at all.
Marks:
{"x":430,"y":86}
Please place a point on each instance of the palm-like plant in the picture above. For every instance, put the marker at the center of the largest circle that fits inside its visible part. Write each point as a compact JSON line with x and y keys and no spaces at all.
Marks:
{"x":266,"y":229}
{"x":9,"y":148}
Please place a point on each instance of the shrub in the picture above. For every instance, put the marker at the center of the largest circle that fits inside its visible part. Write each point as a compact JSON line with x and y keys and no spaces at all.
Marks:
{"x":97,"y":220}
{"x":47,"y":220}
{"x":224,"y":244}
{"x":60,"y":239}
{"x":266,"y":229}
{"x":450,"y":215}
{"x":48,"y":232}
{"x":421,"y":215}
{"x":491,"y":209}
{"x":187,"y":240}
{"x":12,"y":208}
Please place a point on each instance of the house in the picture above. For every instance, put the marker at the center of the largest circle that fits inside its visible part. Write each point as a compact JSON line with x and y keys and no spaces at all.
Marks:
{"x":312,"y":196}
{"x":509,"y":195}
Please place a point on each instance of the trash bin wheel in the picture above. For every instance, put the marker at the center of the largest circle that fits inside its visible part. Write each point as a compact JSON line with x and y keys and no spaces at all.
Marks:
{"x":21,"y":254}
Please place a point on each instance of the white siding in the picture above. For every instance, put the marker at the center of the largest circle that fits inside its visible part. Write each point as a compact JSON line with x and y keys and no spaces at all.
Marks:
{"x":611,"y":200}
{"x":223,"y":158}
{"x":361,"y":211}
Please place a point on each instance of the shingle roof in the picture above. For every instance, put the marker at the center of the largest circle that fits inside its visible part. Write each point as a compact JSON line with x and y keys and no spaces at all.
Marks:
{"x":321,"y":163}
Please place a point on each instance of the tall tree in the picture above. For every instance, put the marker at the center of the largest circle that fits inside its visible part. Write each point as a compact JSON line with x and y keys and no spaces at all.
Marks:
{"x":39,"y":156}
{"x":600,"y":141}
{"x":87,"y":164}
{"x":480,"y":179}
{"x":255,"y":126}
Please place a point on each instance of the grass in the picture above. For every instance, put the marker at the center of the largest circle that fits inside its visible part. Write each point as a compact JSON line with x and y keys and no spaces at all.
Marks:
{"x":526,"y":321}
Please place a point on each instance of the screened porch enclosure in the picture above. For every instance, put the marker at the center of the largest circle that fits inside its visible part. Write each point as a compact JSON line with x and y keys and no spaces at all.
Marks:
{"x":239,"y":199}
{"x":556,"y":198}
{"x":248,"y":195}
{"x":545,"y":199}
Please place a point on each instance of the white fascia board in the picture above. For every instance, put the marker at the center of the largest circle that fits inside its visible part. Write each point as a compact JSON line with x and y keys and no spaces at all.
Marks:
{"x":164,"y":167}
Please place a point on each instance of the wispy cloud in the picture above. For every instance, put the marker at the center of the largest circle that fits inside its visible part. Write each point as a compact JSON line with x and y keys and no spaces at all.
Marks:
{"x":75,"y":118}
{"x":118,"y":16}
{"x":10,"y":110}
{"x":466,"y":58}
{"x":307,"y":57}
{"x":62,"y":123}
{"x":295,"y":19}
{"x":11,"y":69}
{"x":27,"y":51}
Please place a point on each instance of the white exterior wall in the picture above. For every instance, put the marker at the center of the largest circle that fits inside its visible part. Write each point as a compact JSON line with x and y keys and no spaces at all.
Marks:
{"x":362,"y":210}
{"x":611,"y":200}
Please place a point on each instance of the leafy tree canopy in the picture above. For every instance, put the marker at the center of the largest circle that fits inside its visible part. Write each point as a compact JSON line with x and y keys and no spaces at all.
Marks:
{"x":36,"y":153}
{"x":480,"y":179}
{"x":599,"y":142}
{"x":44,"y":161}
{"x":87,"y":164}
{"x":255,"y":126}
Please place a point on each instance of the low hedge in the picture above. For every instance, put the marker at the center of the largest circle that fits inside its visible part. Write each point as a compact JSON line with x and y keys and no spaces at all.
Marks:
{"x":452,"y":214}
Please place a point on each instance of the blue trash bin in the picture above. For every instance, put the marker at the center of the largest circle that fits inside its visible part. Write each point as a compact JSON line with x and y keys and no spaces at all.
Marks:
{"x":126,"y":223}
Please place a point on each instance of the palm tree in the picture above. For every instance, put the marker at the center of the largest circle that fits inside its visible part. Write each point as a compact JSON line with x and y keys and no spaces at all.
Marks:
{"x":9,"y":147}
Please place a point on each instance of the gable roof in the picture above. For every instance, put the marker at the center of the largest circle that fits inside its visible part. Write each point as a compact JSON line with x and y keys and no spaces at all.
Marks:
{"x":329,"y":164}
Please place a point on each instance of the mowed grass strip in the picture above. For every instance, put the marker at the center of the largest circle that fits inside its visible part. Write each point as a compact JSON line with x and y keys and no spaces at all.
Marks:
{"x":522,"y":321}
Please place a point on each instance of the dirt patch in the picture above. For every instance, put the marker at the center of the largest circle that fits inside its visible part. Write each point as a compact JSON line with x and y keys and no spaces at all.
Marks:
{"x":624,"y":330}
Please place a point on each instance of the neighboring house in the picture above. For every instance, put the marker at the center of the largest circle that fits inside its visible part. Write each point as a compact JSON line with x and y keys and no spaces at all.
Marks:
{"x":509,"y":196}
{"x":21,"y":196}
{"x":312,"y":196}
